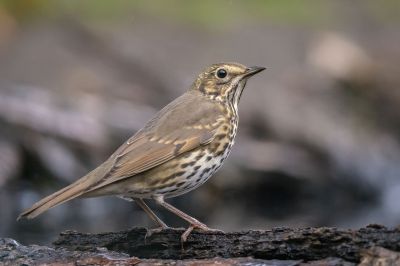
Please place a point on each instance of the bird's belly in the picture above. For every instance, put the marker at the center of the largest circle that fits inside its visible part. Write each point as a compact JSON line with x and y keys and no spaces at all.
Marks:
{"x":180,"y":175}
{"x":194,"y":176}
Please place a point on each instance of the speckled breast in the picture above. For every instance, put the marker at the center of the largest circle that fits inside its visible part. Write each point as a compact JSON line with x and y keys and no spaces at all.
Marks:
{"x":189,"y":170}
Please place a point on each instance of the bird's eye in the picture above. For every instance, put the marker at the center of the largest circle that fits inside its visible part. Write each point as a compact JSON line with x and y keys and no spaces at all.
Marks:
{"x":221,"y":73}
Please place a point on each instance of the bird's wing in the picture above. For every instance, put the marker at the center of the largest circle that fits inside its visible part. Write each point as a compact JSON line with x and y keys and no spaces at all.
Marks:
{"x":147,"y":153}
{"x":171,"y":133}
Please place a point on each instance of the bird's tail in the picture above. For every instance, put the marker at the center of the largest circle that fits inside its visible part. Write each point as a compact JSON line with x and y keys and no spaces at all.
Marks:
{"x":70,"y":192}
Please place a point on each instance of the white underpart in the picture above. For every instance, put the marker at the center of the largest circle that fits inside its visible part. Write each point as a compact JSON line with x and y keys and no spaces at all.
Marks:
{"x":192,"y":181}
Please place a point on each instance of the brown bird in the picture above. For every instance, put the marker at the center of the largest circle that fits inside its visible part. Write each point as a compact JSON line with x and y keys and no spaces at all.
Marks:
{"x":178,"y":150}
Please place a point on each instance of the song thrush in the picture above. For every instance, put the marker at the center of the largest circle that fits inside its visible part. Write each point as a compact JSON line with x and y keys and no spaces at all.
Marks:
{"x":174,"y":153}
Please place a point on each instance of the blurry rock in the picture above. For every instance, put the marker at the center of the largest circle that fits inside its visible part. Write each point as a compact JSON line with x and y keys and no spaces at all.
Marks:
{"x":276,"y":156}
{"x":340,"y":57}
{"x":9,"y":161}
{"x":379,"y":256}
{"x":40,"y":110}
{"x":59,"y":159}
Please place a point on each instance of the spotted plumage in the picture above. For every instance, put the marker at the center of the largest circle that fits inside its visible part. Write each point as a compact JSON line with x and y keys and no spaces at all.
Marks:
{"x":175,"y":152}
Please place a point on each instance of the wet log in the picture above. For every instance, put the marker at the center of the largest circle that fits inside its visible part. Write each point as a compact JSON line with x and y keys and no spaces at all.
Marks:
{"x":373,"y":245}
{"x":279,"y":243}
{"x":13,"y":253}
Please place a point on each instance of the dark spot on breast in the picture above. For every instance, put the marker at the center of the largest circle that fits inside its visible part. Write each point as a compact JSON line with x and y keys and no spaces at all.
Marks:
{"x":167,"y":178}
{"x":155,"y":182}
{"x":209,"y":158}
{"x":185,"y":165}
{"x":161,"y":187}
{"x":220,"y":136}
{"x":180,"y":173}
{"x":180,"y":184}
{"x":198,"y":157}
{"x":214,"y":146}
{"x":222,"y":151}
{"x":225,"y":146}
{"x":196,"y":168}
{"x":191,"y":175}
{"x":172,"y":176}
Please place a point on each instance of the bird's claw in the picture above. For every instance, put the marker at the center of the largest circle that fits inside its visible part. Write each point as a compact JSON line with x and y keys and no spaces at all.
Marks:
{"x":200,"y":226}
{"x":150,"y":232}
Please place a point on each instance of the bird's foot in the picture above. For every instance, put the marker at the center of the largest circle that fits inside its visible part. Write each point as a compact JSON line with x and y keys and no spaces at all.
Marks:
{"x":200,"y":226}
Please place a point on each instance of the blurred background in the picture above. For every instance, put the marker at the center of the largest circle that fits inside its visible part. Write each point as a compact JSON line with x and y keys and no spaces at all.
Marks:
{"x":319,"y":136}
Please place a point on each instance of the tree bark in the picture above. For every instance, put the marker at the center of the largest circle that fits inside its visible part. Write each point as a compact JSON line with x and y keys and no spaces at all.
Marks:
{"x":373,"y":245}
{"x":278,"y":243}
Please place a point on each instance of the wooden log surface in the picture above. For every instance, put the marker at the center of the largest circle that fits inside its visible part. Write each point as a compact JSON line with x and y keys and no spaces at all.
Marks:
{"x":373,"y":245}
{"x":278,"y":243}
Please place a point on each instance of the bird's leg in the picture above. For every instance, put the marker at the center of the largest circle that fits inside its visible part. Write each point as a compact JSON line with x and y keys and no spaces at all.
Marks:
{"x":153,"y":216}
{"x":194,"y":223}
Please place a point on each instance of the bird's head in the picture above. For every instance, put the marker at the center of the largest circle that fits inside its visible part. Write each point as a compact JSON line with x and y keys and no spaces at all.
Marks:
{"x":224,"y":81}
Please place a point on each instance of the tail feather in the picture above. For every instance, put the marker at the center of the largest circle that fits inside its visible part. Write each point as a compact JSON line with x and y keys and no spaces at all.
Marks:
{"x":68,"y":193}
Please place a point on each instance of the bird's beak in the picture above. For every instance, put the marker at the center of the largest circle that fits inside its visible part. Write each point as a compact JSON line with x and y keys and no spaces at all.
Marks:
{"x":250,"y":71}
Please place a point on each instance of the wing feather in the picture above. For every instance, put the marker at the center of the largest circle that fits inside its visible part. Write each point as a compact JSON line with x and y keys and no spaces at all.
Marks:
{"x":147,"y":149}
{"x":143,"y":156}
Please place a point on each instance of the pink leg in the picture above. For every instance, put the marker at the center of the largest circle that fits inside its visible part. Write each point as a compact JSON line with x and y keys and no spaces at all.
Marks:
{"x":149,"y":212}
{"x":194,"y":223}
